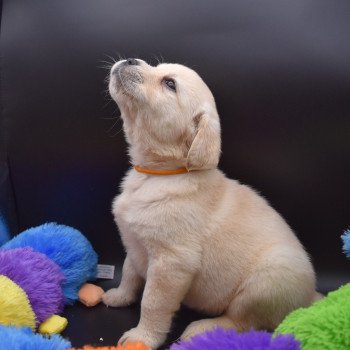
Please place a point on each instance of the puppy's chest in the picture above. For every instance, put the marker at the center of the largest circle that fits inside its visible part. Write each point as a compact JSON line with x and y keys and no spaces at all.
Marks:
{"x":141,"y":212}
{"x":148,"y":205}
{"x":126,"y":212}
{"x":133,"y":212}
{"x":140,"y":216}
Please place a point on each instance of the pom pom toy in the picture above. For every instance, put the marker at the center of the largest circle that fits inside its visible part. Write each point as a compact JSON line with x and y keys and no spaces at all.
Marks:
{"x":323,"y":325}
{"x":40,"y":270}
{"x":220,"y":339}
{"x":4,"y":232}
{"x":346,"y":240}
{"x":14,"y":305}
{"x":39,"y":277}
{"x":68,"y":248}
{"x":128,"y":346}
{"x":13,"y":338}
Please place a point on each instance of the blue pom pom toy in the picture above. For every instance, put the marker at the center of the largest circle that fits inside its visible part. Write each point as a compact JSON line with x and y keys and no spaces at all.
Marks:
{"x":13,"y":338}
{"x":4,"y":232}
{"x":346,"y":240}
{"x":67,"y":247}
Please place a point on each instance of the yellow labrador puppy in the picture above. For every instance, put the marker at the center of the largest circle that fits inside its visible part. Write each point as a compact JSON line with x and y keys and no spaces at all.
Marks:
{"x":193,"y":236}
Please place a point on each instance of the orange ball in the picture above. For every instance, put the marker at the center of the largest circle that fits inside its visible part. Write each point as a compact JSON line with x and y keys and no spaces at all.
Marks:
{"x":127,"y":346}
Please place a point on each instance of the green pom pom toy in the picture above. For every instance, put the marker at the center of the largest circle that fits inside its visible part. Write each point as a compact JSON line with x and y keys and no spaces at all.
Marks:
{"x":323,"y":326}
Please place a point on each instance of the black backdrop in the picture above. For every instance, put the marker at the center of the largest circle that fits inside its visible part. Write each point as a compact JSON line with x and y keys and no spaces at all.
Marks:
{"x":280,"y":72}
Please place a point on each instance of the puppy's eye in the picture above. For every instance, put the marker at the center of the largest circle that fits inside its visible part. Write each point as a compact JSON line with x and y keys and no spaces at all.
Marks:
{"x":170,"y":83}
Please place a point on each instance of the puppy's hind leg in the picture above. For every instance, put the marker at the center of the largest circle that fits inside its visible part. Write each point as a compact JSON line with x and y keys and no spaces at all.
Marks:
{"x":283,"y":282}
{"x":128,"y":290}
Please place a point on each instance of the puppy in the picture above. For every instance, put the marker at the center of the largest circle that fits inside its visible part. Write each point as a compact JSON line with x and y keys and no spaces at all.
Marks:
{"x":191,"y":235}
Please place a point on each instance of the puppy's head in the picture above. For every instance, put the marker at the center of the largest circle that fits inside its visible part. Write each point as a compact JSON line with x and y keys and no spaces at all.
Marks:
{"x":169,"y":114}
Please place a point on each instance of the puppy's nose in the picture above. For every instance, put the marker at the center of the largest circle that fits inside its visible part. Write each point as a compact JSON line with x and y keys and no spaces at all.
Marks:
{"x":132,"y":62}
{"x":125,"y":63}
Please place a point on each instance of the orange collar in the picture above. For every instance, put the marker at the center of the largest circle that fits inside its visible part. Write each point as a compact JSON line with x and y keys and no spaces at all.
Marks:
{"x":143,"y":170}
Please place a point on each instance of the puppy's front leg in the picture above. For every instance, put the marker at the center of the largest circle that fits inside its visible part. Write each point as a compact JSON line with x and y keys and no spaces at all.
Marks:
{"x":128,"y":289}
{"x":166,"y":285}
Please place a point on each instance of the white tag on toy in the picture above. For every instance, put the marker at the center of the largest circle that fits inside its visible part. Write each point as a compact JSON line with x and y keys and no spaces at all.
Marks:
{"x":105,"y":271}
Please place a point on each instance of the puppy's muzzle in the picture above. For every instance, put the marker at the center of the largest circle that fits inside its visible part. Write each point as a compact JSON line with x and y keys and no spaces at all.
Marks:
{"x":130,"y":62}
{"x":126,"y":75}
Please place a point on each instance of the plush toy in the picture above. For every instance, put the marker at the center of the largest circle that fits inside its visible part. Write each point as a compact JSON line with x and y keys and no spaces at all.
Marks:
{"x":128,"y":346}
{"x":23,"y":338}
{"x":15,"y":308}
{"x":90,"y":294}
{"x":346,"y":243}
{"x":30,"y":287}
{"x":13,"y":338}
{"x":68,"y":248}
{"x":220,"y":339}
{"x":326,"y":323}
{"x":41,"y":269}
{"x":4,"y":232}
{"x":323,"y":325}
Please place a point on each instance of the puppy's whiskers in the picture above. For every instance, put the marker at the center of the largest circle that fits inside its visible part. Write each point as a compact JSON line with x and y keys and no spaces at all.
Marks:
{"x":113,"y":126}
{"x":117,"y":133}
{"x":110,"y":118}
{"x":106,"y":104}
{"x":115,"y":120}
{"x":104,"y":64}
{"x":159,"y":60}
{"x":118,"y":119}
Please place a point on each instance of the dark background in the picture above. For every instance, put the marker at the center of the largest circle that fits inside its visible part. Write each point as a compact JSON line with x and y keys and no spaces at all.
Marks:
{"x":280,"y":72}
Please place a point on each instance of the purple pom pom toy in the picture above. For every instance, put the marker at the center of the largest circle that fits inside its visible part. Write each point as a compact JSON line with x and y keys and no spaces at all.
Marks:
{"x":220,"y":339}
{"x":41,"y":269}
{"x":38,"y":276}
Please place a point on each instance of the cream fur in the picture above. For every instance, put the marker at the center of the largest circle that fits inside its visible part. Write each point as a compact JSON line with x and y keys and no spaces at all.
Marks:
{"x":199,"y":238}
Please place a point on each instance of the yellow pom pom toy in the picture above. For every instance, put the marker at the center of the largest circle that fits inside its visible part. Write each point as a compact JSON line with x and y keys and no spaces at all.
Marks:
{"x":14,"y":305}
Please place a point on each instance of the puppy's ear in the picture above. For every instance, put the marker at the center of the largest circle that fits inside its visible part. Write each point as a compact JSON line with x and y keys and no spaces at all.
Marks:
{"x":205,"y":149}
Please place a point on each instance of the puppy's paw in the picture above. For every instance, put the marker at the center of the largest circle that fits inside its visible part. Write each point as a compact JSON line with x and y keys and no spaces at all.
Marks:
{"x":197,"y":327}
{"x":150,"y":339}
{"x":116,"y":297}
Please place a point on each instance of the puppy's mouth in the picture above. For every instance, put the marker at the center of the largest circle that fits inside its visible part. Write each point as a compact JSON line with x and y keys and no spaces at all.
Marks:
{"x":125,"y":79}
